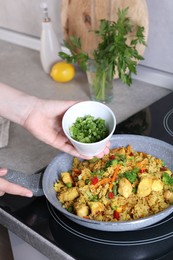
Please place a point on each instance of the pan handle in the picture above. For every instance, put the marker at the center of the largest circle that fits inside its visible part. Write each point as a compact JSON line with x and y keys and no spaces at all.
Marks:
{"x":32,"y":182}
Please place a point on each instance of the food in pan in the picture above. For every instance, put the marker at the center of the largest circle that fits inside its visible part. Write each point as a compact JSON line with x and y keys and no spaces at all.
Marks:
{"x":123,"y":185}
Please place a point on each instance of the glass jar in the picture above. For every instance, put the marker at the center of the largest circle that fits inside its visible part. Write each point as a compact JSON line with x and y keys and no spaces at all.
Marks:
{"x":100,"y":82}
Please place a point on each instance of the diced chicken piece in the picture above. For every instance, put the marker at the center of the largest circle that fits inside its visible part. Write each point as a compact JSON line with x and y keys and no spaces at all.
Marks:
{"x":168,"y":195}
{"x":82,"y":210}
{"x":58,"y":185}
{"x":86,"y":174}
{"x":103,"y":191}
{"x":157,"y":185}
{"x":121,"y":150}
{"x":66,"y":177}
{"x":105,"y":201}
{"x":81,"y":183}
{"x":96,"y":207}
{"x":145,"y":187}
{"x":69,"y":195}
{"x":125,"y":188}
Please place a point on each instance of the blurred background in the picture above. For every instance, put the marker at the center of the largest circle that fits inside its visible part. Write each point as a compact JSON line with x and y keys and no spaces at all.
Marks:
{"x":20,"y":22}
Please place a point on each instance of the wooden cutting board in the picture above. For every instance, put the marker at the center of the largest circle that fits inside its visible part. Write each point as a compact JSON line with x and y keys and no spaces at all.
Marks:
{"x":78,"y":17}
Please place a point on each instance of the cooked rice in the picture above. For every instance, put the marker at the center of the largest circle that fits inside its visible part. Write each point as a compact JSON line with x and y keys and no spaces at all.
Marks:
{"x":123,"y":185}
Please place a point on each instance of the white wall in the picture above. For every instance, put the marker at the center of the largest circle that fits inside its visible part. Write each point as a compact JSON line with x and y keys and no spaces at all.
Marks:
{"x":24,"y":16}
{"x":159,"y":53}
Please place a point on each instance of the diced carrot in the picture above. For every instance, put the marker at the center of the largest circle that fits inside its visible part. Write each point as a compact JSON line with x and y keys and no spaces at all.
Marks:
{"x":141,"y":164}
{"x":129,"y":149}
{"x":103,"y":181}
{"x":86,"y":217}
{"x":115,"y":172}
{"x":114,"y":176}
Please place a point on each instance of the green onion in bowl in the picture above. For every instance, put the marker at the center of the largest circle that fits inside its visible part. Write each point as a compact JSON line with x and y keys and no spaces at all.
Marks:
{"x":88,"y":129}
{"x":98,"y":124}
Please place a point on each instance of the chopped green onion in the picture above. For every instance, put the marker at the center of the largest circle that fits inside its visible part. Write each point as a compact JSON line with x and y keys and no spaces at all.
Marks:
{"x":115,"y":189}
{"x":87,"y":181}
{"x":70,"y":208}
{"x":88,"y":129}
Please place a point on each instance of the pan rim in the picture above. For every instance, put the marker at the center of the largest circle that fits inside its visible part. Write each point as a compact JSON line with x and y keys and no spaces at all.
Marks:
{"x":111,"y":226}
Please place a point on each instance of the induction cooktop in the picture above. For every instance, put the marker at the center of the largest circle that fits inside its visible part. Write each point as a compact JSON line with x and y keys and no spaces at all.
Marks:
{"x":154,"y":242}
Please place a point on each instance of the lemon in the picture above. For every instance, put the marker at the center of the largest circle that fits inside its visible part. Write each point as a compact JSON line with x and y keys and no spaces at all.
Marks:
{"x":62,"y":71}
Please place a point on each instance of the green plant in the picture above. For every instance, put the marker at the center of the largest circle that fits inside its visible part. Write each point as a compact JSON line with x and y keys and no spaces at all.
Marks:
{"x":113,"y":53}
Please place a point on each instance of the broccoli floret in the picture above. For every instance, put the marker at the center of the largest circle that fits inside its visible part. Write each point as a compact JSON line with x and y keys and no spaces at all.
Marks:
{"x":121,"y":157}
{"x":167,"y":179}
{"x":94,"y":159}
{"x":131,"y":175}
{"x":98,"y":172}
{"x":111,"y":162}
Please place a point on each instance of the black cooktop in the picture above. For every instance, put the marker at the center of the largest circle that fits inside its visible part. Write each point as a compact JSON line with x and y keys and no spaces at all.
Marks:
{"x":154,"y":242}
{"x":155,"y":121}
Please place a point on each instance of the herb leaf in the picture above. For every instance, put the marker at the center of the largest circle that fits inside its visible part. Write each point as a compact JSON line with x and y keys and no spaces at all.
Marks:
{"x":113,"y":53}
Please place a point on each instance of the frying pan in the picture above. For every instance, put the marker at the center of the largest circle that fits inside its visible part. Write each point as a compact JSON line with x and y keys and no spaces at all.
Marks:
{"x":43,"y":184}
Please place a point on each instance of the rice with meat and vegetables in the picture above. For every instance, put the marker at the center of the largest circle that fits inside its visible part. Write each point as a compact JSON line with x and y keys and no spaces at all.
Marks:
{"x":123,"y":185}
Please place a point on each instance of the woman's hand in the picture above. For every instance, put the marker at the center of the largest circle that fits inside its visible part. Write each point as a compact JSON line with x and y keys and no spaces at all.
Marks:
{"x":45,"y":122}
{"x":11,"y":188}
{"x":43,"y":119}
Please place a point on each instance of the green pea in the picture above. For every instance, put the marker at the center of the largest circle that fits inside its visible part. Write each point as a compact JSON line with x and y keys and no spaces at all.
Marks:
{"x":69,"y":184}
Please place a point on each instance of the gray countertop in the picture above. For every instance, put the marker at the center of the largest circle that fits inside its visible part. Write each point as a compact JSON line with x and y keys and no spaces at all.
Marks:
{"x":21,"y":68}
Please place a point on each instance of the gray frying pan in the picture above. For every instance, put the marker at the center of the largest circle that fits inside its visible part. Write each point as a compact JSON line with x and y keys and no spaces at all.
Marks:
{"x":43,"y":184}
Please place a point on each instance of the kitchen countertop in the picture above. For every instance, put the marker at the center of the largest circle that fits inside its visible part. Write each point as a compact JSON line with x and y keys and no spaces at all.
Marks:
{"x":21,"y":68}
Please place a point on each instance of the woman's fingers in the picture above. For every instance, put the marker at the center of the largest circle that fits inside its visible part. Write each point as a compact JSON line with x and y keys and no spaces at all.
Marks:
{"x":3,"y":171}
{"x":2,"y":193}
{"x":11,"y":188}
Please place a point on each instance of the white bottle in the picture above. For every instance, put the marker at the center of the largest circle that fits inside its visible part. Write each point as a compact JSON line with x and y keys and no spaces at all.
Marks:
{"x":50,"y":46}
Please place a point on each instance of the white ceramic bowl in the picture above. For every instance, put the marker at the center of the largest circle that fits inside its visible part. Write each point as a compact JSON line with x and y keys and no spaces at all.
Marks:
{"x":97,"y":110}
